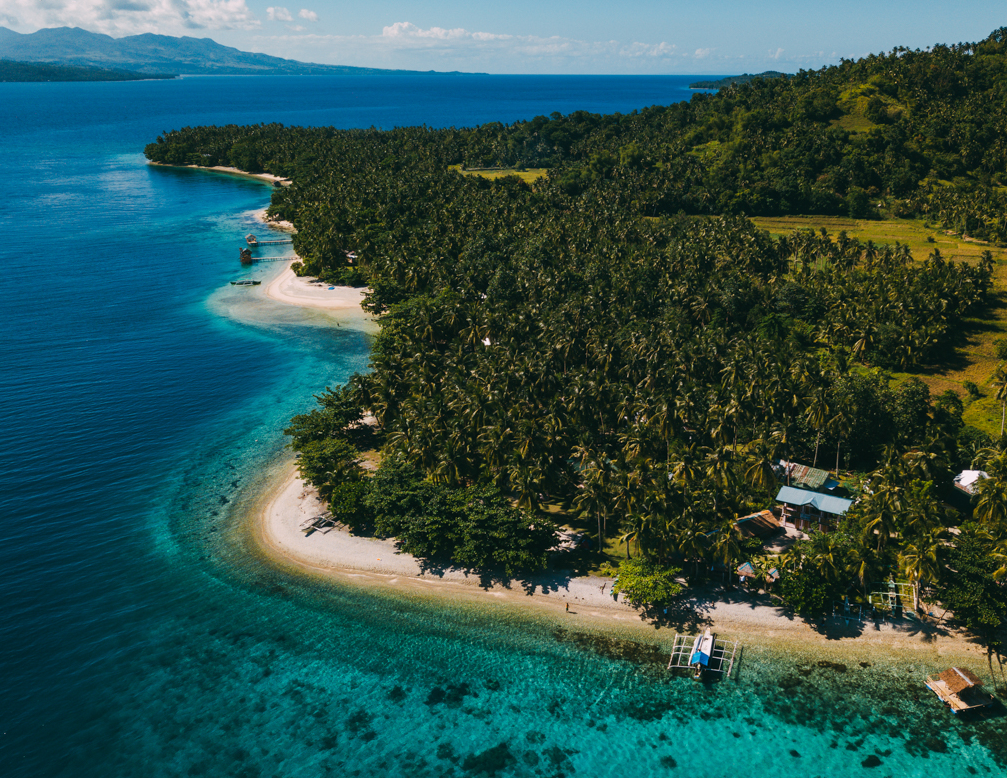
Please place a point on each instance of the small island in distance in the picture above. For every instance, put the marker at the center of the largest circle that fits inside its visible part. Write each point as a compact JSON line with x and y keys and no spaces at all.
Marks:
{"x":11,"y":71}
{"x":733,"y":80}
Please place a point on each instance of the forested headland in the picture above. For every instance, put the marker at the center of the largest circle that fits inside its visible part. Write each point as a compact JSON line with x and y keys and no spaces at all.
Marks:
{"x":11,"y":71}
{"x":615,"y":340}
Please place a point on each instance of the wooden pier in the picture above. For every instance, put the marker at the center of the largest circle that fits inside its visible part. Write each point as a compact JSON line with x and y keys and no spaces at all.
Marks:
{"x":253,"y":241}
{"x":248,"y":259}
{"x":721,"y":658}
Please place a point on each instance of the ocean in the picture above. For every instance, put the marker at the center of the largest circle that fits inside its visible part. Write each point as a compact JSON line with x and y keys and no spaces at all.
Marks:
{"x":142,"y":403}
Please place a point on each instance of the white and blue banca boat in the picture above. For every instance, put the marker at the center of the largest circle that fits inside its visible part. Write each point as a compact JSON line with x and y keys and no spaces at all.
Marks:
{"x":702,"y":651}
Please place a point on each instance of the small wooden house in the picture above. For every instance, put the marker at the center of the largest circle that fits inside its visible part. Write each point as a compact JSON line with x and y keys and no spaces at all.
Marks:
{"x":959,"y":689}
{"x":810,"y":510}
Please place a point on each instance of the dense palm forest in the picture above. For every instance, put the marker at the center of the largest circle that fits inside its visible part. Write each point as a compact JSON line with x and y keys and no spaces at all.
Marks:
{"x":618,"y":340}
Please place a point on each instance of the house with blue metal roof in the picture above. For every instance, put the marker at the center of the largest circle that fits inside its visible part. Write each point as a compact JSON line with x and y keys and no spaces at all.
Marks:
{"x":807,"y":510}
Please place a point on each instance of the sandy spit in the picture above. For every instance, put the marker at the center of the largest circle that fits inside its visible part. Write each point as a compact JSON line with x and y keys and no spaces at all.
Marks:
{"x":267,"y":177}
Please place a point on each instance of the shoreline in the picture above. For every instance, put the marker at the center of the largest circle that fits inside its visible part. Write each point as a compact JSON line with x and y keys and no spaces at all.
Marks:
{"x":268,"y":178}
{"x":273,"y":527}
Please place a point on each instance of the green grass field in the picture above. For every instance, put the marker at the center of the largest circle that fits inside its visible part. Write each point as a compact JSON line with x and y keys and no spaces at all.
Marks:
{"x":528,"y":176}
{"x":974,"y":356}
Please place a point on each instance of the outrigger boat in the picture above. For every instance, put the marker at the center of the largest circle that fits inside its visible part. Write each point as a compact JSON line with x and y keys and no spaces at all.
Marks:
{"x":702,"y":655}
{"x":702,"y":650}
{"x":245,"y":282}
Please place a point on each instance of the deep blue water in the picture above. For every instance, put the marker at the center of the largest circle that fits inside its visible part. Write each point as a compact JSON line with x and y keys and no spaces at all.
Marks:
{"x":142,"y":402}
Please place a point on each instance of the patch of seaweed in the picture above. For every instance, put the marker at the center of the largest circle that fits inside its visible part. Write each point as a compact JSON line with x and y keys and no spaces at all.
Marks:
{"x":490,"y":762}
{"x":615,"y":648}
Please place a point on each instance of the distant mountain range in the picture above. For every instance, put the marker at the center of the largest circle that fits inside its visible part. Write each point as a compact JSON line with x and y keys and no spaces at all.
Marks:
{"x":732,"y":80}
{"x":149,"y":53}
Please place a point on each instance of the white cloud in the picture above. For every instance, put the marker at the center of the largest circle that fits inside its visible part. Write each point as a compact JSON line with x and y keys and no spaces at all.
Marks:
{"x":124,"y":17}
{"x":404,"y":36}
{"x":311,"y":16}
{"x":409,"y":30}
{"x":409,"y":46}
{"x":278,"y":14}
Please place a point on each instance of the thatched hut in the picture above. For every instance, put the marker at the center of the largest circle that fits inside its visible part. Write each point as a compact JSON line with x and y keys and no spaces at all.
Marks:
{"x":960,"y":689}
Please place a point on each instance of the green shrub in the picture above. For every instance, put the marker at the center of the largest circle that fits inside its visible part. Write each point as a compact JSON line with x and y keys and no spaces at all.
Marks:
{"x":647,"y":583}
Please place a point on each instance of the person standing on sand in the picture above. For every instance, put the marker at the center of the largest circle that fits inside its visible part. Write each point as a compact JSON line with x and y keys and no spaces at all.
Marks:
{"x":568,"y":607}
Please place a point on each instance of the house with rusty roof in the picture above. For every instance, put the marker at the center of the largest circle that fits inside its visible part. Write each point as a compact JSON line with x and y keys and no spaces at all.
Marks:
{"x":805,"y":477}
{"x":758,"y":525}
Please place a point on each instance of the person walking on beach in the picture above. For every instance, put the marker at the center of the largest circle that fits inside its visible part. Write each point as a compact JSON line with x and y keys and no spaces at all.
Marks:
{"x":568,"y":607}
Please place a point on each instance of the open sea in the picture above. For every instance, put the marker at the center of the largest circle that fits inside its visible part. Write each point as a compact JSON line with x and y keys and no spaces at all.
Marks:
{"x":142,"y":403}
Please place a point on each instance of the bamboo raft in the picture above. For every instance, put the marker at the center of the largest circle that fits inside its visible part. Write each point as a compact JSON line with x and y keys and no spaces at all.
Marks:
{"x":721,"y":657}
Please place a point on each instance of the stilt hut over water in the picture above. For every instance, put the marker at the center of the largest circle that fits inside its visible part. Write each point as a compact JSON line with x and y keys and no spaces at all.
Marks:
{"x":960,"y":690}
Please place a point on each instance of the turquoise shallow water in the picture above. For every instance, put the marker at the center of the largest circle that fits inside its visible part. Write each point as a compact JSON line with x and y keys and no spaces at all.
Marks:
{"x":143,"y":400}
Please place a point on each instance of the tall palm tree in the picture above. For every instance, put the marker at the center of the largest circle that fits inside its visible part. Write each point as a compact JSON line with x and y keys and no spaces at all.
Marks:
{"x":999,"y":381}
{"x":918,"y":562}
{"x":759,"y":464}
{"x":991,"y":507}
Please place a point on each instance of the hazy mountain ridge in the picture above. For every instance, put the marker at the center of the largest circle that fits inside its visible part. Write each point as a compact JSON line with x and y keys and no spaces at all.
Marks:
{"x":150,"y":53}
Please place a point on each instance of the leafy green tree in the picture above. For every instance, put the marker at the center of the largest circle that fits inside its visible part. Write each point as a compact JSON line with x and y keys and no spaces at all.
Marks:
{"x":328,"y":463}
{"x":473,"y":527}
{"x":647,"y":583}
{"x":347,"y":503}
{"x":804,"y":590}
{"x":972,"y":593}
{"x":340,"y":410}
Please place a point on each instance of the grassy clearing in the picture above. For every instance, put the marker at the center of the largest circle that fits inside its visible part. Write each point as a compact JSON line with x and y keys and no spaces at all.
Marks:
{"x":528,"y":175}
{"x":854,"y":124}
{"x":974,"y":356}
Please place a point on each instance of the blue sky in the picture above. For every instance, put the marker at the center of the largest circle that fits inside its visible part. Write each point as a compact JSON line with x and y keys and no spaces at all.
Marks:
{"x":538,"y":36}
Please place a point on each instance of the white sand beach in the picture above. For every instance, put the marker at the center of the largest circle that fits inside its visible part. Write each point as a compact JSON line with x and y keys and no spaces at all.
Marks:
{"x":340,"y":556}
{"x":290,"y":289}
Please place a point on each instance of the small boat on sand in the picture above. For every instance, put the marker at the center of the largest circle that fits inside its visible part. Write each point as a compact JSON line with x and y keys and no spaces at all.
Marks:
{"x":702,"y":650}
{"x":245,"y":282}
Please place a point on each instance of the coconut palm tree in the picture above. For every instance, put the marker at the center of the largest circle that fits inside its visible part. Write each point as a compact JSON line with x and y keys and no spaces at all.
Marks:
{"x":991,"y":506}
{"x":918,"y":562}
{"x":999,"y":381}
